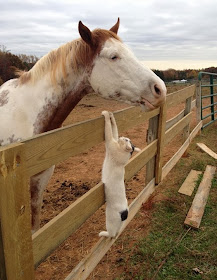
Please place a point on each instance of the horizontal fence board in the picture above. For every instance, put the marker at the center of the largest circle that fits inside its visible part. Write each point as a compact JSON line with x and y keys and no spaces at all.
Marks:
{"x":176,"y":128}
{"x":86,"y":266}
{"x":52,"y":147}
{"x":175,"y":119}
{"x":179,"y":116}
{"x":179,"y":96}
{"x":49,"y":237}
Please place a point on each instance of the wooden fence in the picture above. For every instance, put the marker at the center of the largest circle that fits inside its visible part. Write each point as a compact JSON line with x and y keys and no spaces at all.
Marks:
{"x":20,"y":252}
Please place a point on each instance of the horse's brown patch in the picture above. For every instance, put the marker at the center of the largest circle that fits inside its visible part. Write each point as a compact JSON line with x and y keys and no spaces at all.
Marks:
{"x":43,"y":118}
{"x":4,"y":97}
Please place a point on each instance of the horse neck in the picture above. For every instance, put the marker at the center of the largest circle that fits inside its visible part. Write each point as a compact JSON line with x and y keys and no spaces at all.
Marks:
{"x":65,"y":97}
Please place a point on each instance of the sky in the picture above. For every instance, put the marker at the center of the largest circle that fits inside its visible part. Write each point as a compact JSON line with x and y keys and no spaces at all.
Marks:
{"x":164,"y":34}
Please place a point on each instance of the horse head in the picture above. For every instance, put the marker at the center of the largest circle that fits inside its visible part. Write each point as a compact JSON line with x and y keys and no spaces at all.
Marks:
{"x":117,"y":74}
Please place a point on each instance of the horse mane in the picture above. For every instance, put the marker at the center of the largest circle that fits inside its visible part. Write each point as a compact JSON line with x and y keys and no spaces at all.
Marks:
{"x":72,"y":54}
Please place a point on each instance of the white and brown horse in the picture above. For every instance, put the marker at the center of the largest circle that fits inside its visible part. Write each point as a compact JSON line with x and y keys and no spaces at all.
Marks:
{"x":41,"y":99}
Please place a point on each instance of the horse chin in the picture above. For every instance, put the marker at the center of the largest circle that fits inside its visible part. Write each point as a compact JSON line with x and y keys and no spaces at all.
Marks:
{"x":145,"y":105}
{"x":144,"y":108}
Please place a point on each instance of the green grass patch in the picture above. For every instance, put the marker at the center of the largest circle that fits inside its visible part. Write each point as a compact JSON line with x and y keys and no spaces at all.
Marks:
{"x":171,"y":251}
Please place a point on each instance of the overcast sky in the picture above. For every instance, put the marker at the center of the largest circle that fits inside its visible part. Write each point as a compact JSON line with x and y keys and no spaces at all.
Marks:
{"x":163,"y":33}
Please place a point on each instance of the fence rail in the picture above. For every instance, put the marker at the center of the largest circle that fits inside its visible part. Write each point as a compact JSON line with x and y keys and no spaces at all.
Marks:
{"x":22,"y":160}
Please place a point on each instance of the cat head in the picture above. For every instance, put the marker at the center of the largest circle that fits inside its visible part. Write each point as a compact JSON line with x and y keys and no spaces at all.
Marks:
{"x":127,"y":146}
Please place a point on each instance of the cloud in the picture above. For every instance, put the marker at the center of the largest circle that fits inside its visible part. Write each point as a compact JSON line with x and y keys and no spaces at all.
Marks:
{"x":154,"y":29}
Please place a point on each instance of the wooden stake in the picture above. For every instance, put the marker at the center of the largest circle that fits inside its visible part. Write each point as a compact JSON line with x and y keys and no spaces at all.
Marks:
{"x":196,"y":211}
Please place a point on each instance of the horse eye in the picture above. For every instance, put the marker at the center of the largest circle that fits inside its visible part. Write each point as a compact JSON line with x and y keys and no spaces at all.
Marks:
{"x":114,"y":57}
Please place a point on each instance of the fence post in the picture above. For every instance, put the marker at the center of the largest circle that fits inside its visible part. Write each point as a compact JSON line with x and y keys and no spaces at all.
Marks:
{"x":186,"y":130}
{"x":160,"y":146}
{"x":156,"y":129}
{"x":150,"y":137}
{"x":15,"y":238}
{"x":198,"y":102}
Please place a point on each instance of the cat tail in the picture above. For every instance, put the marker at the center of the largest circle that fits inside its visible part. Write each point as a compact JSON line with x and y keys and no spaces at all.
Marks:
{"x":104,"y":233}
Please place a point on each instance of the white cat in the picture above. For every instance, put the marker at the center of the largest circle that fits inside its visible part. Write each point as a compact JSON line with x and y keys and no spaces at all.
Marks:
{"x":118,"y":152}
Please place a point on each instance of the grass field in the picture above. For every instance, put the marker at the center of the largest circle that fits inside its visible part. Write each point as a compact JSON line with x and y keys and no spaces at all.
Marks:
{"x":171,"y":250}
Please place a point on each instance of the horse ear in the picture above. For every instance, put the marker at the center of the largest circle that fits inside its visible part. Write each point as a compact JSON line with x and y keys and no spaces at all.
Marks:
{"x":115,"y":27}
{"x":85,"y":33}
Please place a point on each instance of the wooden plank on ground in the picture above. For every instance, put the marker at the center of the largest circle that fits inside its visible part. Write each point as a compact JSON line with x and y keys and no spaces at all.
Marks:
{"x":50,"y":236}
{"x":188,"y":186}
{"x":196,"y":211}
{"x":204,"y":148}
{"x":16,"y":237}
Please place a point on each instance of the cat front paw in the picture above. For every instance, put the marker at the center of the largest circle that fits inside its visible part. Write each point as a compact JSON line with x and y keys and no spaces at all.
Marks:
{"x":112,"y":118}
{"x":105,"y":114}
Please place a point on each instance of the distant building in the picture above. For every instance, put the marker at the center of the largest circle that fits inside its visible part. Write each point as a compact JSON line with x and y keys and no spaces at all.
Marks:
{"x":183,"y":81}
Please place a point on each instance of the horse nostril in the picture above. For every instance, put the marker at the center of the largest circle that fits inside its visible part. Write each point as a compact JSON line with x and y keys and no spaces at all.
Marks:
{"x":157,"y":90}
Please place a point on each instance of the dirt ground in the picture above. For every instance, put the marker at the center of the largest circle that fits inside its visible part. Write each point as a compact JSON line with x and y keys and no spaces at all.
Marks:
{"x":75,"y":176}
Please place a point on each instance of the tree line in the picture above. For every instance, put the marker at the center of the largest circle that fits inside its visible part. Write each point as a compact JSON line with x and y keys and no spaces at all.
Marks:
{"x":187,"y":74}
{"x":9,"y":62}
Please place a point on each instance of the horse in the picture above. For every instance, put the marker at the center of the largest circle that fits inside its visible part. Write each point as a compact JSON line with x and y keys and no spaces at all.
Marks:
{"x":40,"y":100}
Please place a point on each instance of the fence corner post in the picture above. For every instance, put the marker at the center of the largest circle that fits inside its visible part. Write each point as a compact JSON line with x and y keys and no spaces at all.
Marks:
{"x":15,"y":238}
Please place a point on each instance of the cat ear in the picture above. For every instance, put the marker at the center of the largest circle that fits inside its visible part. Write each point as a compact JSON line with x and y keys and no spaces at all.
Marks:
{"x":137,"y":149}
